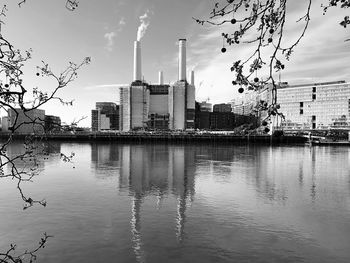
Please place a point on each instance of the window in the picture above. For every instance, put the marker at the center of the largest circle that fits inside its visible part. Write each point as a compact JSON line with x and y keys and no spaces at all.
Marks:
{"x":313,"y":118}
{"x":313,"y":89}
{"x":313,"y":96}
{"x":302,"y":104}
{"x":301,"y":111}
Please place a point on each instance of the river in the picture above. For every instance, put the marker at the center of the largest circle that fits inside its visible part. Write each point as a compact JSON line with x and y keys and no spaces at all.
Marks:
{"x":184,"y":203}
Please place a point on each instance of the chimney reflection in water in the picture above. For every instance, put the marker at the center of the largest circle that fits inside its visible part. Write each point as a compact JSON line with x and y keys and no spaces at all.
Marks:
{"x":147,"y":175}
{"x":151,"y":170}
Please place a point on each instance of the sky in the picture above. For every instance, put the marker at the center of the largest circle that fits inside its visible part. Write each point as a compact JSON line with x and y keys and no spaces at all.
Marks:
{"x":106,"y":29}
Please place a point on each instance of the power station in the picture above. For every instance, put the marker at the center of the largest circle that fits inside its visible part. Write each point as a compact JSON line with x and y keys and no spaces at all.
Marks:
{"x":160,"y":106}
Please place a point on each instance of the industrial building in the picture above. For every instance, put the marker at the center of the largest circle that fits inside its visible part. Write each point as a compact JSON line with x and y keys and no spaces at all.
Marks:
{"x":160,"y":106}
{"x":105,"y":117}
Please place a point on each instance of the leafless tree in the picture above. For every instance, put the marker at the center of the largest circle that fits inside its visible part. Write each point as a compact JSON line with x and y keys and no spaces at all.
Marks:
{"x":262,"y":23}
{"x":70,"y":4}
{"x":16,"y":99}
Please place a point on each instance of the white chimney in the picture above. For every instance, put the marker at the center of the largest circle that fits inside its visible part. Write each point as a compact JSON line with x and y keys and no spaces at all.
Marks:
{"x":161,"y":78}
{"x":192,"y":77}
{"x":182,"y":59}
{"x":137,"y":61}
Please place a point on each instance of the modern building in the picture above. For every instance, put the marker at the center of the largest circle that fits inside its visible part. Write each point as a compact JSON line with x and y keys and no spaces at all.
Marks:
{"x":202,"y":118}
{"x":205,"y":106}
{"x":222,"y":107}
{"x":306,"y":106}
{"x":5,"y":124}
{"x":105,"y":117}
{"x":29,"y":122}
{"x":159,"y":106}
{"x":52,"y":124}
{"x":244,"y":104}
{"x":222,"y":121}
{"x":216,"y":120}
{"x":315,"y":105}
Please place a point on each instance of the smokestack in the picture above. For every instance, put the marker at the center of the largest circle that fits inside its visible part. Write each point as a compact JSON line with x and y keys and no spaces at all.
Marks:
{"x":161,"y":79}
{"x":192,"y":77}
{"x":137,"y":61}
{"x":182,"y":59}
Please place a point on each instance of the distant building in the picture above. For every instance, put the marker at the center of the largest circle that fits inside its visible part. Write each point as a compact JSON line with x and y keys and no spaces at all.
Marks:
{"x":4,"y":124}
{"x":202,"y":118}
{"x":244,"y":104}
{"x":315,"y":105}
{"x":205,"y":106}
{"x":222,"y":121}
{"x":158,"y":112}
{"x":29,"y":122}
{"x":222,"y":107}
{"x":159,"y":106}
{"x":306,"y":106}
{"x":52,"y":124}
{"x":216,"y":120}
{"x":105,"y":116}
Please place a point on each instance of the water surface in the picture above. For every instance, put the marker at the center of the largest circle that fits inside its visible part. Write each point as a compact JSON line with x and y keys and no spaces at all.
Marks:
{"x":184,"y":203}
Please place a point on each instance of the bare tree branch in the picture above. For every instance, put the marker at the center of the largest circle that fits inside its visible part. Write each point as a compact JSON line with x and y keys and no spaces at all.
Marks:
{"x":261,"y":23}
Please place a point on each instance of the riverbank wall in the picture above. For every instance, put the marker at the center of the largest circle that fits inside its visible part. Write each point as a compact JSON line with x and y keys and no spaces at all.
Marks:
{"x":173,"y":138}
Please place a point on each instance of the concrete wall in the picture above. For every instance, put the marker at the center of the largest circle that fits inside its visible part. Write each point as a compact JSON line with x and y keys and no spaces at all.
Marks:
{"x":139,"y":106}
{"x":104,"y":122}
{"x":159,"y":104}
{"x":177,"y":97}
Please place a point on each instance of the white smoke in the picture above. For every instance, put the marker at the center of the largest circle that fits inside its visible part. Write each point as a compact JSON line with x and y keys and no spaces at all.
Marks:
{"x":144,"y":19}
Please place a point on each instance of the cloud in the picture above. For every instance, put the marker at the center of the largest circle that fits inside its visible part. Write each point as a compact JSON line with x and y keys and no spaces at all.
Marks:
{"x":321,"y":55}
{"x":144,"y":20}
{"x":122,"y":22}
{"x":110,"y":40}
{"x":110,"y":36}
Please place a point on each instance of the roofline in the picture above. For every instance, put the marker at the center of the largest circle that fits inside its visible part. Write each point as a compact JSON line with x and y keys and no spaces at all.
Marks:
{"x":316,"y":84}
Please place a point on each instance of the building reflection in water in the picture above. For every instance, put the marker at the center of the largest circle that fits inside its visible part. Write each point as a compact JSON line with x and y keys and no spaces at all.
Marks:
{"x":157,"y":170}
{"x":151,"y":170}
{"x":105,"y":157}
{"x":43,"y":153}
{"x":313,"y":174}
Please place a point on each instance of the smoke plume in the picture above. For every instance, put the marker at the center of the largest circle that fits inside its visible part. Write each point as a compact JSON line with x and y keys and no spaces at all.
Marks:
{"x":144,"y":19}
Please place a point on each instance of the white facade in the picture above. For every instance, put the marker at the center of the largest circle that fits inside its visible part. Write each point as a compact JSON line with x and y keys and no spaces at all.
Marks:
{"x":316,"y":105}
{"x":137,"y":61}
{"x":177,"y":94}
{"x":125,"y":115}
{"x":182,"y":59}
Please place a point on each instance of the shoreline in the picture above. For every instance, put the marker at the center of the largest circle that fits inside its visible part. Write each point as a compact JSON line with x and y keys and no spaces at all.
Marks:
{"x":168,"y":137}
